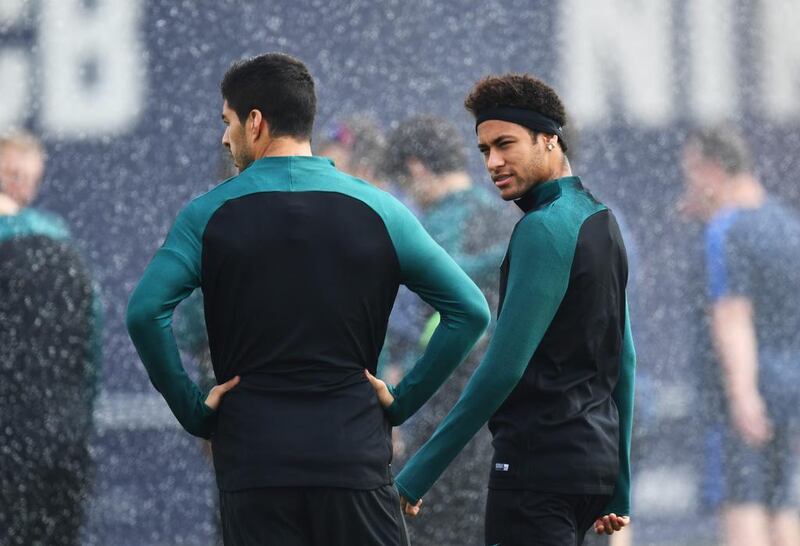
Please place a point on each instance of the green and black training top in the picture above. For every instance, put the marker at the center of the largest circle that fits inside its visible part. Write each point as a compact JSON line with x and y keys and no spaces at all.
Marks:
{"x":556,"y":384}
{"x":299,"y":265}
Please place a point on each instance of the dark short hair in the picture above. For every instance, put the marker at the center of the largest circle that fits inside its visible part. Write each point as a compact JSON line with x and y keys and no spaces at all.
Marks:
{"x":277,"y":85}
{"x":517,"y":91}
{"x":724,"y":145}
{"x":432,"y":140}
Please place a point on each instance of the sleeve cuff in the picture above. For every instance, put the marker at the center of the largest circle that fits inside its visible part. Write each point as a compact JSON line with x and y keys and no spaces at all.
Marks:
{"x":207,"y":422}
{"x":405,"y":494}
{"x":393,"y":411}
{"x":617,"y":507}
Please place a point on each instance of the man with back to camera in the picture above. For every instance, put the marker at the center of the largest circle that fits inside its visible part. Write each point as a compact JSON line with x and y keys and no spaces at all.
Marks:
{"x":556,"y":383}
{"x":299,"y":265}
{"x":752,"y":246}
{"x":49,"y":360}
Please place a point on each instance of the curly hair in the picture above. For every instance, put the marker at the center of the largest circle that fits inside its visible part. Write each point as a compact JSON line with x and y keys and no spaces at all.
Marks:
{"x":516,"y":91}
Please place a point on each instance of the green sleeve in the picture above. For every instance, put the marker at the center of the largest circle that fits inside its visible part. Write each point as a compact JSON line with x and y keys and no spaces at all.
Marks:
{"x":432,"y":274}
{"x":620,"y":502}
{"x":170,"y":277}
{"x":540,"y":263}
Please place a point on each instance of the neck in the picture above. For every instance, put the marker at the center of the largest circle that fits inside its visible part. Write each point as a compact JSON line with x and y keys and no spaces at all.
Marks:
{"x":283,"y":146}
{"x":562,"y":168}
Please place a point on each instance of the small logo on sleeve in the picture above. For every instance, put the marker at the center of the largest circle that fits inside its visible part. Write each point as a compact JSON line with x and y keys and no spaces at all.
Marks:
{"x":501,"y":467}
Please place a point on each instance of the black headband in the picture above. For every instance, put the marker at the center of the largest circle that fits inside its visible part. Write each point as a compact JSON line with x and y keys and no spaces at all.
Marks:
{"x":527,"y":118}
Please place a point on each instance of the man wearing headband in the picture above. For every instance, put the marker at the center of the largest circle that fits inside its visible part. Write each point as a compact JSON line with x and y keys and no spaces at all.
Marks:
{"x":556,"y":384}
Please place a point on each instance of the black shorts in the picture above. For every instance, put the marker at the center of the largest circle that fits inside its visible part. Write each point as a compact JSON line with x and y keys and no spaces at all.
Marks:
{"x":312,"y":516}
{"x":533,"y":518}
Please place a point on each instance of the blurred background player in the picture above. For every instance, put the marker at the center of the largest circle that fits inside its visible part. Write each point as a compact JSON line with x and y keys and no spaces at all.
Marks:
{"x":356,"y":145}
{"x":427,"y":156}
{"x":752,"y":246}
{"x":49,"y":361}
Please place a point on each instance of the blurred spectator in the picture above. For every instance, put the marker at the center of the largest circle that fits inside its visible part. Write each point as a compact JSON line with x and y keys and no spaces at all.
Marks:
{"x":49,"y":348}
{"x":22,"y":167}
{"x":427,"y":156}
{"x":356,"y":145}
{"x":752,"y":245}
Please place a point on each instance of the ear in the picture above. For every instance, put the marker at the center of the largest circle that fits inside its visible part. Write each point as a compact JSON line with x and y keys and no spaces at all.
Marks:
{"x":257,"y":124}
{"x":416,"y":168}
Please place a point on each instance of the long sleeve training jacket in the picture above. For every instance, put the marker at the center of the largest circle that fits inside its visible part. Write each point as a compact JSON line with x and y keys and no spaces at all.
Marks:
{"x":299,"y":265}
{"x":556,"y":384}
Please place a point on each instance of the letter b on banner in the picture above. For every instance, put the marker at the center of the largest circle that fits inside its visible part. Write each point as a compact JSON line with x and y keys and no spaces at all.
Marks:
{"x":92,"y":67}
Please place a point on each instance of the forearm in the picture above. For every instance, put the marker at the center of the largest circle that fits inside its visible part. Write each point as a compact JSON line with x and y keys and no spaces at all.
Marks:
{"x":735,"y":342}
{"x":149,"y":321}
{"x":158,"y":351}
{"x":486,"y":391}
{"x":456,"y":334}
{"x":529,"y":308}
{"x":623,"y":396}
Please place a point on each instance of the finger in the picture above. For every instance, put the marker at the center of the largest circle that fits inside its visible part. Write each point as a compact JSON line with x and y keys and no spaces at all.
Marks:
{"x":598,"y":527}
{"x":615,"y":522}
{"x":607,"y":525}
{"x":376,"y":383}
{"x":215,"y":394}
{"x":228,"y":385}
{"x":410,"y":509}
